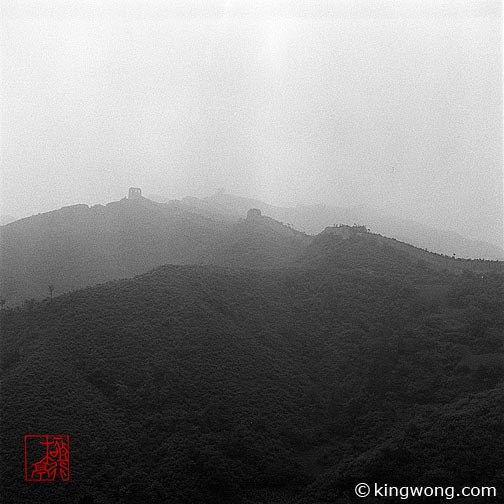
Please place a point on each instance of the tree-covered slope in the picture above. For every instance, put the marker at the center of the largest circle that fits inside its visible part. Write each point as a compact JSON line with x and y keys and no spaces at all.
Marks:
{"x":197,"y":384}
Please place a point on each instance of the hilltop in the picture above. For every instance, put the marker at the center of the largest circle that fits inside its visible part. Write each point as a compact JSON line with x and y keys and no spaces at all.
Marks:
{"x":337,"y":245}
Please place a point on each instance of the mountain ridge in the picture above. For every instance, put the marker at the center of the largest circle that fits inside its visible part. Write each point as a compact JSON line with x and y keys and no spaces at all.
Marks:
{"x":312,"y":219}
{"x":81,"y":245}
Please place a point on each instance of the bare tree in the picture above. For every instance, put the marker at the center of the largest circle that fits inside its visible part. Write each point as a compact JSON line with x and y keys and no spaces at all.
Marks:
{"x":2,"y":303}
{"x":51,"y":290}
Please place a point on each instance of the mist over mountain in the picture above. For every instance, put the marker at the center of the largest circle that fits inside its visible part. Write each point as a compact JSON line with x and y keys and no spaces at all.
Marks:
{"x":78,"y":246}
{"x":314,"y":219}
{"x":395,"y":105}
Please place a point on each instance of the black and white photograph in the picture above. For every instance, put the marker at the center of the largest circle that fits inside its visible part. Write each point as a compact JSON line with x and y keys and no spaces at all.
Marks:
{"x":251,"y":252}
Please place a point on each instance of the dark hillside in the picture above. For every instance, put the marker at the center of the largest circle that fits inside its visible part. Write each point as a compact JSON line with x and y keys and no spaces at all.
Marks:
{"x":200,"y":384}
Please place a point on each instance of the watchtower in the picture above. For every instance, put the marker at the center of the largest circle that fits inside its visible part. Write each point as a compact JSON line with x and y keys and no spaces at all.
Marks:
{"x":134,"y":193}
{"x":254,"y":213}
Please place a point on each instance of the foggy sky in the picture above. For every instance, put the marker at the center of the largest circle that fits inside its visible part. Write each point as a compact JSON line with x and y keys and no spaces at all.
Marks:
{"x":396,"y":105}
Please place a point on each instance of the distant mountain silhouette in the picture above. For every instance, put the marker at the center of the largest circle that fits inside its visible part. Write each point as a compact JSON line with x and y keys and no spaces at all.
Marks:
{"x":314,"y":219}
{"x":79,"y":246}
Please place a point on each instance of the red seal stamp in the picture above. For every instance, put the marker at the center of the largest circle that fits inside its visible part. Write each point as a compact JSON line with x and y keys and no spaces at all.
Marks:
{"x":47,"y":458}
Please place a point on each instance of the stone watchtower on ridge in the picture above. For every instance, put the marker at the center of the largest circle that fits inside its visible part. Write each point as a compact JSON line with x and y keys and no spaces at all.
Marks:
{"x":134,"y":193}
{"x":254,"y":213}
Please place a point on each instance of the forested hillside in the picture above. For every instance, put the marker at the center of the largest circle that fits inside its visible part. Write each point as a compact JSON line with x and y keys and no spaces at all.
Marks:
{"x":202,"y":384}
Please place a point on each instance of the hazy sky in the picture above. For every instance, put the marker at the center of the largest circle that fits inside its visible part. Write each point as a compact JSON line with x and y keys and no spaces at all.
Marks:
{"x":393,"y":104}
